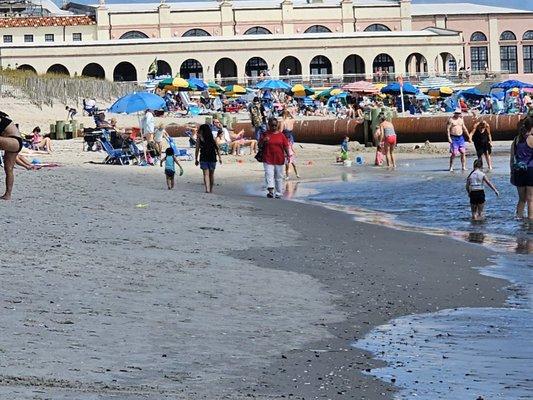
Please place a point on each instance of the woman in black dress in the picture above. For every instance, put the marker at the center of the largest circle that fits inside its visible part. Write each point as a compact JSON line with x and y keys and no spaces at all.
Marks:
{"x":482,"y":139}
{"x":206,"y":155}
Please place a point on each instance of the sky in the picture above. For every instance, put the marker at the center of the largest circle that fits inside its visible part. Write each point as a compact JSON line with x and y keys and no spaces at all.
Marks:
{"x":519,"y":4}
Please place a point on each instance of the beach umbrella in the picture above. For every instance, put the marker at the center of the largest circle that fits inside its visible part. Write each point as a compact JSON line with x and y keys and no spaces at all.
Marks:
{"x":394,"y":88}
{"x":214,"y":88}
{"x":363,"y":87}
{"x":300,"y":90}
{"x":509,"y":84}
{"x":436,"y":81}
{"x":326,"y":94}
{"x":234,"y":90}
{"x":135,"y":102}
{"x":176,"y":83}
{"x":441,"y":91}
{"x":273,"y":84}
{"x":472,"y":93}
{"x":198,"y":84}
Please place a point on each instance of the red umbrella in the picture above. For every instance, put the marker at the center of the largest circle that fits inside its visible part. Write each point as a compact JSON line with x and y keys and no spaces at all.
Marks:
{"x":360,"y":87}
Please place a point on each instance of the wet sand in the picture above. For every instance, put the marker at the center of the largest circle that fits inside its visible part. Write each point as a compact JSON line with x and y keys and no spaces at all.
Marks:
{"x":112,"y":287}
{"x":376,"y":274}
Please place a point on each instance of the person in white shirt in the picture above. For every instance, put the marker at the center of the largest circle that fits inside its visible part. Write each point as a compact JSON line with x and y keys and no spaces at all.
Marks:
{"x":475,"y":188}
{"x":148,"y":126}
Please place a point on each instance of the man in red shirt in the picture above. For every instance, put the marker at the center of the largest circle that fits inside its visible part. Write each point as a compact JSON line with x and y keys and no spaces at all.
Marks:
{"x":275,"y":153}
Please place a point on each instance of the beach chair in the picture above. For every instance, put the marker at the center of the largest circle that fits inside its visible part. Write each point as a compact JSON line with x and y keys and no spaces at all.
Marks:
{"x":182,"y":154}
{"x":114,"y":156}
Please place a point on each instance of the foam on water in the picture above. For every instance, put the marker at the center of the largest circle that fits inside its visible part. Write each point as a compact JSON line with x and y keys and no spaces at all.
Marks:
{"x":453,"y":354}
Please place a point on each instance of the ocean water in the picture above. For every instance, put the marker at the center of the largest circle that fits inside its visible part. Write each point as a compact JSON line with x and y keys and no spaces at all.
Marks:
{"x":465,"y":353}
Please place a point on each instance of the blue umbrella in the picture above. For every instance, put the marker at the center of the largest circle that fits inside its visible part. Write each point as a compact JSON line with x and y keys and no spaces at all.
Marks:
{"x":273,"y":84}
{"x":394,"y":88}
{"x":135,"y":102}
{"x":472,"y":93}
{"x":506,"y":85}
{"x":198,"y":84}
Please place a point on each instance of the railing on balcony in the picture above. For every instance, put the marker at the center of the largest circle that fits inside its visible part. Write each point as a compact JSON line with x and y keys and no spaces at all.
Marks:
{"x":460,"y":77}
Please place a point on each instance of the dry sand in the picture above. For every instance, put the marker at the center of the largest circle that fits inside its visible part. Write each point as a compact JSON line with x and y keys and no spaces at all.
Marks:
{"x":114,"y":287}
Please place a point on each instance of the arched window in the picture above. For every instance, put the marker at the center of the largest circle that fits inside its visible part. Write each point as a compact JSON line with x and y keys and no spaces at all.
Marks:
{"x":255,"y":66}
{"x":377,"y":28}
{"x":196,"y":32}
{"x":134,"y":35}
{"x":320,"y":65}
{"x":478,"y":37}
{"x":258,"y":30}
{"x":317,"y":29}
{"x":507,"y":35}
{"x":191,"y":68}
{"x":528,"y":35}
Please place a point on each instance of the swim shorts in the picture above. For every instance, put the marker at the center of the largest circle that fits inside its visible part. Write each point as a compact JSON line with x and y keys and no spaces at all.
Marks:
{"x":170,"y":173}
{"x":477,"y":197}
{"x":391,"y":140}
{"x":208,"y":165}
{"x":458,"y":145}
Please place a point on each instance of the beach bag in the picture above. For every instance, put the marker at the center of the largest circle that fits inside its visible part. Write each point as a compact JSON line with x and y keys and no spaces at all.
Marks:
{"x":259,"y":155}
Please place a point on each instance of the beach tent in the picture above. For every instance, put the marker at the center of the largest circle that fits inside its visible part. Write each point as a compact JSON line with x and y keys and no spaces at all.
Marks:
{"x":394,"y":88}
{"x":273,"y":84}
{"x":509,"y":84}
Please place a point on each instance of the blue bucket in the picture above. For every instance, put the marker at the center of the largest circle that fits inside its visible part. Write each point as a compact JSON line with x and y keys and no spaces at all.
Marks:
{"x":359,"y":160}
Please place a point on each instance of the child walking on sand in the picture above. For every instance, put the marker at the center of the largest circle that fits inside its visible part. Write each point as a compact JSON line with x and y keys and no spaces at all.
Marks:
{"x":475,"y":188}
{"x":170,"y":170}
{"x":291,"y":159}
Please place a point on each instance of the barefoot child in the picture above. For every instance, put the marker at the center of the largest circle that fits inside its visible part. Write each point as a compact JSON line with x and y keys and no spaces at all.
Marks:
{"x":170,"y":170}
{"x":475,"y":188}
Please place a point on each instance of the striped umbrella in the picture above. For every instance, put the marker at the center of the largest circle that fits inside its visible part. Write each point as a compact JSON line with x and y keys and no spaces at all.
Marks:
{"x":300,"y":90}
{"x":234,"y":90}
{"x":360,"y":87}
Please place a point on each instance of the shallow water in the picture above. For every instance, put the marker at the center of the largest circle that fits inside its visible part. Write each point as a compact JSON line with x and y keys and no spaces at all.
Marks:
{"x":453,"y":354}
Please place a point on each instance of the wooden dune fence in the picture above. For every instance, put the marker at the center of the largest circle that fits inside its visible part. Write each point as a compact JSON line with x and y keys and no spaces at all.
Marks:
{"x":49,"y":88}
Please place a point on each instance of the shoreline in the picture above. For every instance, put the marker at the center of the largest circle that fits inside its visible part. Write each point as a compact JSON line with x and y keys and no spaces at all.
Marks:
{"x":232,"y":319}
{"x":332,"y":368}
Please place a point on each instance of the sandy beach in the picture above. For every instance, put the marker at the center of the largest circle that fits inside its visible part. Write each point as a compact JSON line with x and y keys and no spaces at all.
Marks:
{"x":114,"y":287}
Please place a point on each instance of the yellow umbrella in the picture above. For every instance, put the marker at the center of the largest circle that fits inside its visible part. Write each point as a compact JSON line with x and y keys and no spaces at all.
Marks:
{"x":300,"y":90}
{"x":335,"y":92}
{"x":442,"y":91}
{"x":180,"y":83}
{"x":379,"y":86}
{"x":235,"y":89}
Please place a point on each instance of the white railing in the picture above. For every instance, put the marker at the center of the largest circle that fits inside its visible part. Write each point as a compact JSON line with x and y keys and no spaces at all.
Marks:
{"x":460,"y":77}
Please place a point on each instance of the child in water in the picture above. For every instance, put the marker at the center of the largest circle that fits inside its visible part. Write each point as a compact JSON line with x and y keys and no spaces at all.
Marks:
{"x":475,"y":188}
{"x":170,"y":170}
